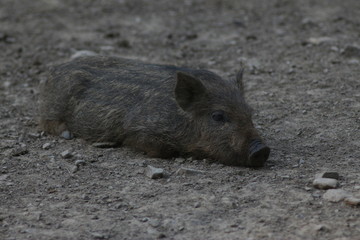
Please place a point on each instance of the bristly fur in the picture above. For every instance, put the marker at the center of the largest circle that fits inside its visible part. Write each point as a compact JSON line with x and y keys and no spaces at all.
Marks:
{"x":162,"y":110}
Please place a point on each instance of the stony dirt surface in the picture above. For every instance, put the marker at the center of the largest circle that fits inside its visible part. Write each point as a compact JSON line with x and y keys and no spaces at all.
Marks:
{"x":302,"y":79}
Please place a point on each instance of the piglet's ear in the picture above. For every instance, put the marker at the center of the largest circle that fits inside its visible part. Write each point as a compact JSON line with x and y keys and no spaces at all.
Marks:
{"x":189,"y":91}
{"x":239,"y":80}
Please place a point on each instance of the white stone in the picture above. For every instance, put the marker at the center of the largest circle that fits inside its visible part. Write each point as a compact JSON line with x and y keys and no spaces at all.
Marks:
{"x":325,"y":183}
{"x":153,"y":172}
{"x":335,"y":195}
{"x":80,"y":162}
{"x":83,"y":53}
{"x":179,"y":160}
{"x":46,"y":146}
{"x":67,"y":135}
{"x":319,"y":40}
{"x":66,"y":154}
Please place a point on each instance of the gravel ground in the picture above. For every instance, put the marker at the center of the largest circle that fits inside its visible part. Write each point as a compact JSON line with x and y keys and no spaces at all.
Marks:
{"x":302,"y":63}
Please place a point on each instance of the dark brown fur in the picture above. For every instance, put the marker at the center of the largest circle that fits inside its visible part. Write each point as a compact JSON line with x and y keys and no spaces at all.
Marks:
{"x":165,"y":111}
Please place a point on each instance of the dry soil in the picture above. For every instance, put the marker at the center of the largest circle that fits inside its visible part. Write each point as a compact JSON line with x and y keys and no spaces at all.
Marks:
{"x":302,"y":79}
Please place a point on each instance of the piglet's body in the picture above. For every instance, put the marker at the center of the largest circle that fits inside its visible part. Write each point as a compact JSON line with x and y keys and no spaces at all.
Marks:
{"x":164,"y":111}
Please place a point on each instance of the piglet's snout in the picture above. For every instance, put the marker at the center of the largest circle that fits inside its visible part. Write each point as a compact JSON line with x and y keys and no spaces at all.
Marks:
{"x":258,"y":153}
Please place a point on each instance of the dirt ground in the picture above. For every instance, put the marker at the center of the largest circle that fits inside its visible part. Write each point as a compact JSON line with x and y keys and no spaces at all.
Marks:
{"x":302,"y":79}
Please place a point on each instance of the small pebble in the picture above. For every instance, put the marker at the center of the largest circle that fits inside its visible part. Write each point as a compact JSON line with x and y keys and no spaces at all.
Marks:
{"x":67,"y":135}
{"x":352,"y":51}
{"x":145,"y":219}
{"x":319,"y":40}
{"x":179,"y":160}
{"x":83,"y":53}
{"x":208,"y":161}
{"x":334,"y":48}
{"x":6,"y":84}
{"x":285,"y":177}
{"x":228,"y":202}
{"x":46,"y":146}
{"x":153,"y":172}
{"x":74,"y":169}
{"x":188,"y":171}
{"x":352,"y":201}
{"x":79,"y":162}
{"x":328,"y":174}
{"x":85,"y":197}
{"x":104,"y":144}
{"x":154,"y":223}
{"x":354,"y":61}
{"x":97,"y":235}
{"x":316,"y":195}
{"x":34,"y":135}
{"x":162,"y":235}
{"x":143,"y":163}
{"x":321,"y":227}
{"x":66,"y":154}
{"x":335,"y":195}
{"x":107,"y":48}
{"x":17,"y":151}
{"x":4,"y":177}
{"x":197,"y":205}
{"x":280,"y":32}
{"x":38,"y":216}
{"x":325,"y":183}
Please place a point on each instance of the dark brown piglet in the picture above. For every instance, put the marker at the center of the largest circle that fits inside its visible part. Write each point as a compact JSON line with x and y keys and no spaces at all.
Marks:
{"x":165,"y":111}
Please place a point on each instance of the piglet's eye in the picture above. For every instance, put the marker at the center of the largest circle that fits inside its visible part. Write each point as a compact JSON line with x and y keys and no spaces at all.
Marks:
{"x":219,"y":116}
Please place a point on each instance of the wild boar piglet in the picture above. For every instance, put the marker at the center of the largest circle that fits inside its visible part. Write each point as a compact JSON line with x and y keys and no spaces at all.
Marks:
{"x":165,"y":111}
